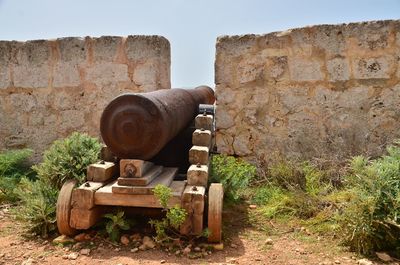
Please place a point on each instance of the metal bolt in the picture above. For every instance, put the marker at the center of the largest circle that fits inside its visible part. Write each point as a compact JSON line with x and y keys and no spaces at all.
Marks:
{"x":87,"y":184}
{"x":194,"y":188}
{"x":102,"y":162}
{"x":202,"y":129}
{"x":198,"y":165}
{"x":205,"y":113}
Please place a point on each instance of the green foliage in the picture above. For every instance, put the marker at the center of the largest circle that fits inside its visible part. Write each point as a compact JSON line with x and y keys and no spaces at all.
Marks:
{"x":115,"y":224}
{"x":13,"y":166}
{"x":37,"y":206}
{"x":175,"y":216}
{"x":235,"y":175}
{"x":65,"y":159}
{"x":286,"y":174}
{"x":371,"y":219}
{"x":68,"y":159}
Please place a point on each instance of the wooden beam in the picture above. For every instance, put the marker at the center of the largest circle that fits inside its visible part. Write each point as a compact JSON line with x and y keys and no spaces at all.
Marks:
{"x":85,"y":218}
{"x":193,"y":203}
{"x":202,"y":137}
{"x":198,"y":155}
{"x":215,"y":201}
{"x":105,"y":196}
{"x":133,"y":168}
{"x":165,"y":178}
{"x":148,"y":177}
{"x":204,"y":121}
{"x":83,"y":197}
{"x":197,"y":175}
{"x":101,"y":171}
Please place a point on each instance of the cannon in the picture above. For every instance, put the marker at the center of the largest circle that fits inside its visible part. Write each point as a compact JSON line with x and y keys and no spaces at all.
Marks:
{"x":161,"y":137}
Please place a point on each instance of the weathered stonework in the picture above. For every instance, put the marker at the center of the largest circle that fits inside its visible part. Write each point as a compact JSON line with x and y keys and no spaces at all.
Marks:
{"x":327,"y":91}
{"x":48,"y":89}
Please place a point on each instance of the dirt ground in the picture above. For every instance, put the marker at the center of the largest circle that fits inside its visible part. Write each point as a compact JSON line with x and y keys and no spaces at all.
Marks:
{"x":243,"y":244}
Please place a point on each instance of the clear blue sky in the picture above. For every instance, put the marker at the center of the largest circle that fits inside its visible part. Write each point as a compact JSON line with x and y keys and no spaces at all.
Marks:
{"x":191,"y":26}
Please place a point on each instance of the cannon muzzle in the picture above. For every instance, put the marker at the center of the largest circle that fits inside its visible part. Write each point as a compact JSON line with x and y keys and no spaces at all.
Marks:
{"x":139,"y":125}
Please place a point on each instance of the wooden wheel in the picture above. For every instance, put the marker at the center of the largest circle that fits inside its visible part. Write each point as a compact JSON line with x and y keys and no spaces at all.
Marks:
{"x":63,"y":210}
{"x":215,"y":201}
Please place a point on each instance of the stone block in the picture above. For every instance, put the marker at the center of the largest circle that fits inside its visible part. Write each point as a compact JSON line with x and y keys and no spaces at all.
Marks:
{"x":198,"y":155}
{"x":250,"y":69}
{"x":204,"y":121}
{"x":5,"y":80}
{"x":242,"y":143}
{"x":72,"y":49}
{"x":5,"y":54}
{"x":338,"y":69}
{"x":31,"y":76}
{"x":372,"y":68}
{"x":146,"y":47}
{"x":202,"y":137}
{"x":35,"y":52}
{"x":276,"y":67}
{"x":66,"y":75}
{"x":146,"y":73}
{"x":71,"y":119}
{"x":305,"y":70}
{"x":105,"y":48}
{"x":106,"y":73}
{"x":22,"y":102}
{"x":197,"y":175}
{"x":224,"y":119}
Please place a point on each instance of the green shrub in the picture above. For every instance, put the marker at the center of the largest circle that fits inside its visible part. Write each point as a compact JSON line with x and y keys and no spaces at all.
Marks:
{"x":37,"y":206}
{"x":65,"y":159}
{"x":13,"y":166}
{"x":175,"y":216}
{"x":235,"y":175}
{"x":68,"y":159}
{"x":115,"y":224}
{"x":371,"y":219}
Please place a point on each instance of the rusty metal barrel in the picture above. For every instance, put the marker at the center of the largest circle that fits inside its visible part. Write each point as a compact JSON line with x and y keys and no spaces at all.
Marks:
{"x":139,"y":125}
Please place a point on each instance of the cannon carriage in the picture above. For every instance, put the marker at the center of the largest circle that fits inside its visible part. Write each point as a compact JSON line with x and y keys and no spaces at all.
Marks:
{"x":161,"y":137}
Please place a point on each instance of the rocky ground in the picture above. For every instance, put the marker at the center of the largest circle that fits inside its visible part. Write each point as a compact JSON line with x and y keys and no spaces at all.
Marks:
{"x":243,"y":244}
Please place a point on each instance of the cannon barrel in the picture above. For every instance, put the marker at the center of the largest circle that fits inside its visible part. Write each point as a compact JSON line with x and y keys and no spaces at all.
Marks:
{"x":139,"y":125}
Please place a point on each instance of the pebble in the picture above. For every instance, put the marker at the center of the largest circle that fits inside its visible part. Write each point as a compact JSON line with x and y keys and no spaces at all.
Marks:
{"x":364,"y":262}
{"x":63,"y":239}
{"x":73,"y":256}
{"x":233,"y":261}
{"x":134,"y":250}
{"x":187,"y":250}
{"x":163,"y":261}
{"x":124,"y":240}
{"x":117,"y":249}
{"x":148,"y":242}
{"x":197,"y":249}
{"x":178,"y":252}
{"x":337,"y":261}
{"x":219,"y":246}
{"x":85,"y":252}
{"x":253,"y":206}
{"x":82,"y":237}
{"x":384,"y":256}
{"x":269,"y":241}
{"x":136,"y":237}
{"x":233,"y":245}
{"x":29,"y":261}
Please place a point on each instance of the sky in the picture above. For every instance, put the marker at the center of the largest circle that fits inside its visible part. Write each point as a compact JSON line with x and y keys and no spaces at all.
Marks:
{"x":191,"y":26}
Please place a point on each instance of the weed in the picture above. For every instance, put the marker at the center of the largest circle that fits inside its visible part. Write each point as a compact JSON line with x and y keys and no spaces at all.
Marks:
{"x":115,"y":224}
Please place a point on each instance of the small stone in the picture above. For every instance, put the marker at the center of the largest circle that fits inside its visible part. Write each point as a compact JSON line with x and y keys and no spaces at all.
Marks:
{"x":117,"y":249}
{"x":187,"y":250}
{"x":253,"y":206}
{"x":85,"y":252}
{"x":337,"y":261}
{"x":233,"y":245}
{"x":73,"y":256}
{"x":178,"y":252}
{"x":197,"y":249}
{"x":142,"y":247}
{"x":148,"y":242}
{"x":63,"y":239}
{"x":65,"y":256}
{"x":219,"y":246}
{"x":29,"y":261}
{"x":134,"y":250}
{"x":82,"y":237}
{"x":163,"y":261}
{"x":269,"y":241}
{"x":232,"y":261}
{"x":124,"y":240}
{"x":383,"y":256}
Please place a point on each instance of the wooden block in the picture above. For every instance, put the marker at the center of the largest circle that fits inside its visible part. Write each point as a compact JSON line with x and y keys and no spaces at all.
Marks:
{"x":106,"y":154}
{"x":165,"y":178}
{"x":85,"y":218}
{"x":201,"y":138}
{"x":83,"y":197}
{"x":133,"y":168}
{"x":105,"y":196}
{"x":198,"y":155}
{"x":197,"y":175}
{"x":148,"y":177}
{"x":215,"y":203}
{"x":193,"y":203}
{"x":101,"y":171}
{"x":204,"y":121}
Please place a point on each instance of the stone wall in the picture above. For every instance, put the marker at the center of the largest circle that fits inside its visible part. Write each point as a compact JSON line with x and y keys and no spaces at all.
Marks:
{"x":50,"y":88}
{"x":327,"y":91}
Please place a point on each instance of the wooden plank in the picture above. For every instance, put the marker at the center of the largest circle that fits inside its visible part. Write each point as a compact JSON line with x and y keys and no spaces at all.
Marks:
{"x":105,"y":196}
{"x":198,"y":155}
{"x":215,"y":201}
{"x":202,"y":137}
{"x":165,"y":178}
{"x":85,"y":218}
{"x":197,"y":175}
{"x":133,"y":168}
{"x":193,"y":203}
{"x":83,"y":197}
{"x":101,"y":171}
{"x":204,"y":121}
{"x":148,"y":177}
